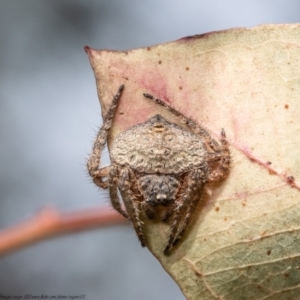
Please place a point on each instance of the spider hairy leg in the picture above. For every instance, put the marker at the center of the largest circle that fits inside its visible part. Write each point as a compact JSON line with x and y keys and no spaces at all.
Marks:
{"x":148,"y":210}
{"x":94,"y":160}
{"x":131,"y":202}
{"x":113,"y":192}
{"x":115,"y":201}
{"x":186,"y":205}
{"x":224,"y":166}
{"x":198,"y":176}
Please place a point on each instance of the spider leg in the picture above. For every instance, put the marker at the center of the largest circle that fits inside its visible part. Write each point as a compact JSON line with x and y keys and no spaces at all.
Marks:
{"x":195,"y":197}
{"x":94,"y":160}
{"x":187,"y":202}
{"x":115,"y":201}
{"x":148,"y":210}
{"x":224,"y":164}
{"x":98,"y":177}
{"x":113,"y":191}
{"x":168,"y":213}
{"x":131,"y":202}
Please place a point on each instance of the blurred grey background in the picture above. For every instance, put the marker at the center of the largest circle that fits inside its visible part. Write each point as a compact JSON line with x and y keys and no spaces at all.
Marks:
{"x":49,"y":114}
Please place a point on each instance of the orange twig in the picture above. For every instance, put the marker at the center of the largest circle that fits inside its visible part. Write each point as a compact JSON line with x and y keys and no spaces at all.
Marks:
{"x":49,"y":222}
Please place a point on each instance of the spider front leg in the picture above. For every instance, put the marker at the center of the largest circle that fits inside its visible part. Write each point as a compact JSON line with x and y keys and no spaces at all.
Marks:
{"x":224,"y":164}
{"x":115,"y":201}
{"x":168,"y":213}
{"x":148,"y":210}
{"x":94,"y":160}
{"x":197,"y":176}
{"x":113,"y":192}
{"x":131,"y":202}
{"x":186,"y":205}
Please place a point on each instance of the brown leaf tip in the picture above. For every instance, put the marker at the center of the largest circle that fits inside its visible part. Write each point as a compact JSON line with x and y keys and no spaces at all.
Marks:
{"x":87,"y":49}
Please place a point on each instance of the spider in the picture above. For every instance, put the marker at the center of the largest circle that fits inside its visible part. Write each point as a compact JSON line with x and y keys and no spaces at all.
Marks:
{"x":159,"y":168}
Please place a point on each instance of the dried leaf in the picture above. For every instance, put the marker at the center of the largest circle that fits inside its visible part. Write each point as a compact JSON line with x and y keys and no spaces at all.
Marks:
{"x":245,"y":239}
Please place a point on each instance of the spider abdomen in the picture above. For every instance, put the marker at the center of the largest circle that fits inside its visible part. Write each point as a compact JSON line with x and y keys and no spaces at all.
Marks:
{"x":158,"y":146}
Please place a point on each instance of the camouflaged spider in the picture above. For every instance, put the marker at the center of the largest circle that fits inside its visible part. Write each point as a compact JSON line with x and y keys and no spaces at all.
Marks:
{"x":159,"y":168}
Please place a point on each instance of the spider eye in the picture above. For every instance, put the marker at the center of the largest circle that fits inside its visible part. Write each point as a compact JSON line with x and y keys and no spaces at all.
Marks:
{"x":161,"y":196}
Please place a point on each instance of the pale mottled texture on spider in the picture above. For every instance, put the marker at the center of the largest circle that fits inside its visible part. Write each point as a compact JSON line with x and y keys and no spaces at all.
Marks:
{"x":160,"y":169}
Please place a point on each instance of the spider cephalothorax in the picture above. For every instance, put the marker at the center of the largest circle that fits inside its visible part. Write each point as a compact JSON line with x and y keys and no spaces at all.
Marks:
{"x":158,"y":165}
